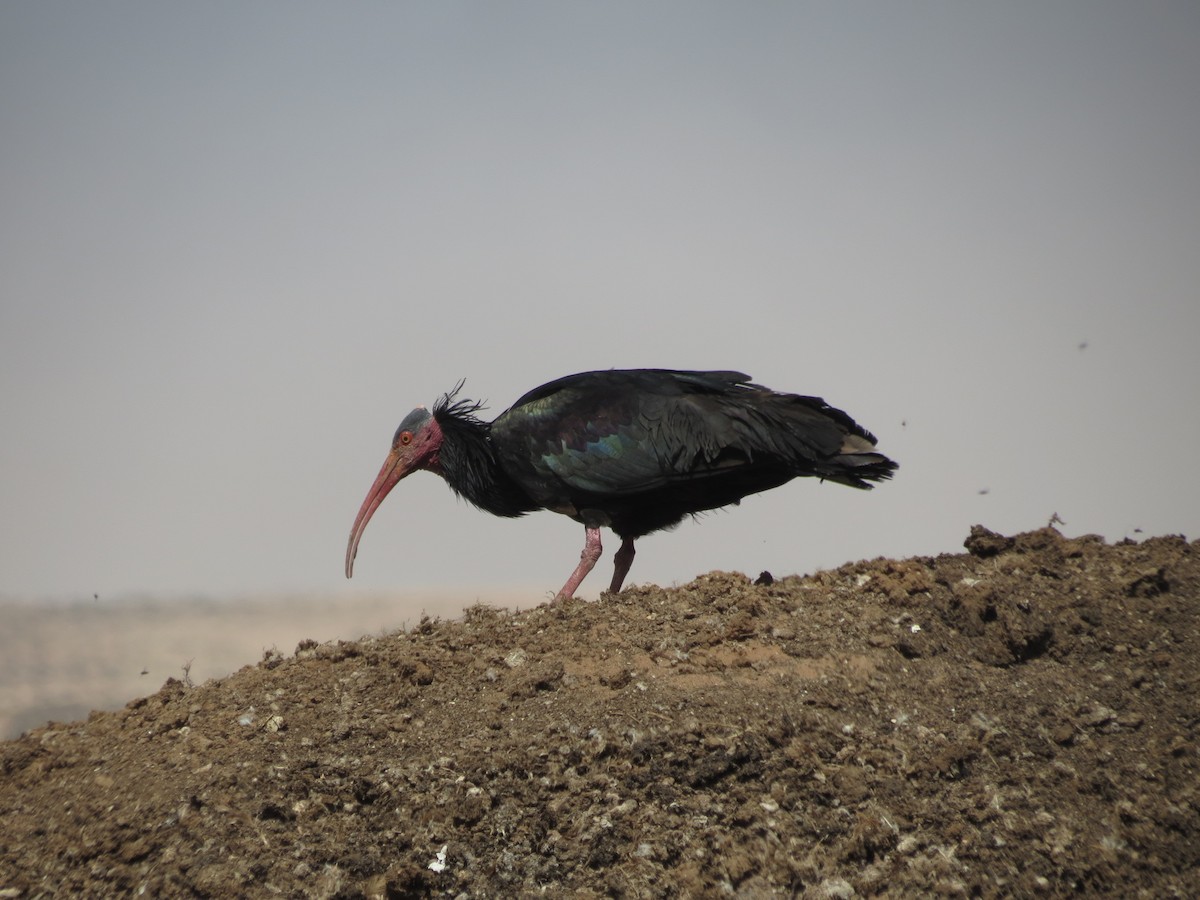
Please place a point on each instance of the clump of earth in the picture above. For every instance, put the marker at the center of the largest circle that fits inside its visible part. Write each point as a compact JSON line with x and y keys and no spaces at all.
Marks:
{"x":1022,"y":719}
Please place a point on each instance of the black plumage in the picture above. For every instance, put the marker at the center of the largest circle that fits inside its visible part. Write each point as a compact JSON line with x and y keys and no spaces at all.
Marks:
{"x":631,"y":450}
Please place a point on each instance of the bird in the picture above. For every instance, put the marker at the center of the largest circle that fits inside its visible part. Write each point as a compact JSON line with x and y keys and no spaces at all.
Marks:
{"x":631,"y":450}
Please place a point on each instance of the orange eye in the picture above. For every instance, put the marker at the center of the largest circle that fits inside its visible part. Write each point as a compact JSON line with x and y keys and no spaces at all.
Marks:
{"x":406,"y":437}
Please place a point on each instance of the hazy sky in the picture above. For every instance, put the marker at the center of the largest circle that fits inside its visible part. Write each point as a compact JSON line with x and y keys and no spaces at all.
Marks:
{"x":239,"y":241}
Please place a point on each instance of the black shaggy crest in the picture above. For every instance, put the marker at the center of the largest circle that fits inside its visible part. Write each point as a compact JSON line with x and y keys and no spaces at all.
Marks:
{"x":449,"y":405}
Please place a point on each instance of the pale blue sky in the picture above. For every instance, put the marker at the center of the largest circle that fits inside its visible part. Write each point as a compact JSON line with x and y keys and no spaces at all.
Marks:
{"x":239,"y":241}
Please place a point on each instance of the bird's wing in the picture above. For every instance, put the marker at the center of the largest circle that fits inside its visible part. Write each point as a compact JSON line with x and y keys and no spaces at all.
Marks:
{"x":622,"y":433}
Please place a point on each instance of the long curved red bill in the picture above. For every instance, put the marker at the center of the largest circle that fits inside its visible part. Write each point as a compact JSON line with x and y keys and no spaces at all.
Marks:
{"x":394,"y":468}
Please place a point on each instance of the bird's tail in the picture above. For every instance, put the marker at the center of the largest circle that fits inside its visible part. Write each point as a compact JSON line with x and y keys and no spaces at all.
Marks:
{"x":856,"y":464}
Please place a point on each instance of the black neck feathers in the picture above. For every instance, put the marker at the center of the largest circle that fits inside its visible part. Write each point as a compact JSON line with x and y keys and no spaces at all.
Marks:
{"x":468,"y":461}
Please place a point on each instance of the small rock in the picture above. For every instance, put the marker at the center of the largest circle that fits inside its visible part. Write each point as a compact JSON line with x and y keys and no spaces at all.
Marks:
{"x":516,"y":658}
{"x":1063,"y":735}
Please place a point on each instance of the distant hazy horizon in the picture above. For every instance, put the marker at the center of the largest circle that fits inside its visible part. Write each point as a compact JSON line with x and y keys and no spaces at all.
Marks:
{"x":62,"y":660}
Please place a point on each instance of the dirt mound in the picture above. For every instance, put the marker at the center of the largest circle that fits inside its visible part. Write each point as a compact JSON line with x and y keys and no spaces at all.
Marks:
{"x":1020,"y":719}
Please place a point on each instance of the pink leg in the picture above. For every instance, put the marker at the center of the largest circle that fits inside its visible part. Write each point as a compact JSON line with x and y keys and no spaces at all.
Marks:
{"x":587,"y":559}
{"x":622,"y":560}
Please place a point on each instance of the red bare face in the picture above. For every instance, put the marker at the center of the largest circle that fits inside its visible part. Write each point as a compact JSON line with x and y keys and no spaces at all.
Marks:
{"x":414,"y":447}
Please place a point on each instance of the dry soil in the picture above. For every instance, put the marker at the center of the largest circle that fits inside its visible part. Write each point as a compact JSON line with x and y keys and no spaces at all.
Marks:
{"x":1019,"y":720}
